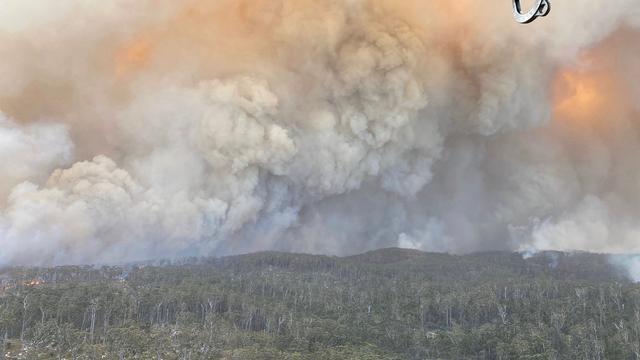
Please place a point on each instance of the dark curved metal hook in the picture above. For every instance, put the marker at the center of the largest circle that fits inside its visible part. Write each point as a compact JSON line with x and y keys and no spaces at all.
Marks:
{"x":542,"y":8}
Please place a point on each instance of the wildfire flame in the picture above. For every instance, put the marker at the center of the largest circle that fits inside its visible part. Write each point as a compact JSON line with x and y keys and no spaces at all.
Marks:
{"x":34,"y":282}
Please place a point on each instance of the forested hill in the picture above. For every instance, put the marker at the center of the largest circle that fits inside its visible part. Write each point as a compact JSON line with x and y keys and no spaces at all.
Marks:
{"x":385,"y":304}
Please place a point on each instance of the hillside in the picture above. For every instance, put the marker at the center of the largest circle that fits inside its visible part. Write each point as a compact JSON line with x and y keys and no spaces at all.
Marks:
{"x":385,"y":304}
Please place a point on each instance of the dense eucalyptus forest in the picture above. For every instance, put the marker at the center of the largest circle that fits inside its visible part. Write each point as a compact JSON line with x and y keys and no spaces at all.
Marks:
{"x":386,"y":304}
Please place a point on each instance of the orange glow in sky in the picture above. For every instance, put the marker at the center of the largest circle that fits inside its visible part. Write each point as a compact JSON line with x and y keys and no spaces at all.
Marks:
{"x":578,"y":94}
{"x":586,"y":92}
{"x":133,"y":56}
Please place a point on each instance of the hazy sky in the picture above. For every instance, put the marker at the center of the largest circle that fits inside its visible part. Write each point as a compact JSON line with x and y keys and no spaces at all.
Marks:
{"x":136,"y":129}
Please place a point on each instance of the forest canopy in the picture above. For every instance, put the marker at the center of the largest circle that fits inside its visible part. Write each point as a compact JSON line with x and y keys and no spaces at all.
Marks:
{"x":386,"y":304}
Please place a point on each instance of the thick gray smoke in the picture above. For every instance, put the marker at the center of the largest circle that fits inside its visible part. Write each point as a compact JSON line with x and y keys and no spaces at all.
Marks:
{"x":143,"y":129}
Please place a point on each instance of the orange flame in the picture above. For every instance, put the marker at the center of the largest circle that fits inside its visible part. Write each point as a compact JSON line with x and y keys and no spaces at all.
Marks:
{"x":34,"y":283}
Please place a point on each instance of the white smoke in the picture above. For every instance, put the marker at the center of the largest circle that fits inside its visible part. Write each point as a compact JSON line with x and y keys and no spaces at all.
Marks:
{"x":629,"y":264}
{"x":202,"y":128}
{"x":30,"y":152}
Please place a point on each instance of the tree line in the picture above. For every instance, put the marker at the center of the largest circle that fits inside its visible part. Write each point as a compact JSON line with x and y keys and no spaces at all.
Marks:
{"x":388,"y":304}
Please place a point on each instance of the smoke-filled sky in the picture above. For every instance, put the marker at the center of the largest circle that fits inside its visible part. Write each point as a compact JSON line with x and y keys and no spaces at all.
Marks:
{"x":137,"y":129}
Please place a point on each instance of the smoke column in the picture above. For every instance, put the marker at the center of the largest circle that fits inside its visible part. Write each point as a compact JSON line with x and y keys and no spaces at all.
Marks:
{"x":133,"y":130}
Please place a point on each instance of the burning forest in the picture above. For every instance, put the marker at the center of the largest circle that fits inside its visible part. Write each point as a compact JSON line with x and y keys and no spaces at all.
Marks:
{"x":133,"y":131}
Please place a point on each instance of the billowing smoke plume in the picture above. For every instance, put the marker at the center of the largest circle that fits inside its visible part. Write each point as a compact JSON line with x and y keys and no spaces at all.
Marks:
{"x":142,"y":129}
